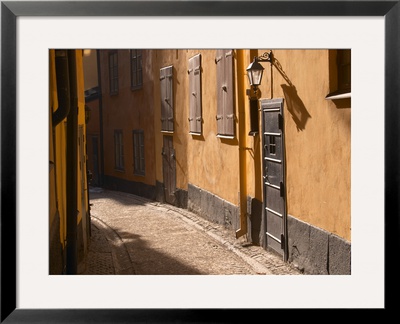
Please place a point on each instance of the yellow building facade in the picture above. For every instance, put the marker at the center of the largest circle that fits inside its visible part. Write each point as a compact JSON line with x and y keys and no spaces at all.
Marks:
{"x":69,"y":221}
{"x":272,"y":165}
{"x":223,"y":173}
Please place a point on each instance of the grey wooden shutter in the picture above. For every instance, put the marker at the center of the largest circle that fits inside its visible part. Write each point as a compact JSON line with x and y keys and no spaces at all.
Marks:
{"x":220,"y":74}
{"x":167,"y":99}
{"x":225,"y":100}
{"x":195,"y":102}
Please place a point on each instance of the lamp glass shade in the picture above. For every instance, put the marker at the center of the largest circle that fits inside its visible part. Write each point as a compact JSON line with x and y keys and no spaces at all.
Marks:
{"x":254,"y":73}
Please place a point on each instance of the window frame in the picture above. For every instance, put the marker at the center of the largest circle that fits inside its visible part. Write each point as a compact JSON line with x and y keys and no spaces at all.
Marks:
{"x":344,"y":63}
{"x":139,"y":160}
{"x":195,"y":95}
{"x":167,"y":99}
{"x":136,"y":60}
{"x":119,"y":160}
{"x":113,"y":72}
{"x":341,"y":90}
{"x":226,"y":117}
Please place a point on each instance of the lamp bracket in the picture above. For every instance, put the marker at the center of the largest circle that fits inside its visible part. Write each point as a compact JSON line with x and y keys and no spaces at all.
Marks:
{"x":265,"y":57}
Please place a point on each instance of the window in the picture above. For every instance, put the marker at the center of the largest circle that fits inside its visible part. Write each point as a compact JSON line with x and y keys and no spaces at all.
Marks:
{"x":272,"y":145}
{"x":113,"y":70}
{"x":225,"y":101}
{"x":344,"y":70}
{"x":167,"y":99}
{"x":195,"y":114}
{"x":136,"y":69}
{"x":138,"y":152}
{"x":340,"y":74}
{"x":119,"y":150}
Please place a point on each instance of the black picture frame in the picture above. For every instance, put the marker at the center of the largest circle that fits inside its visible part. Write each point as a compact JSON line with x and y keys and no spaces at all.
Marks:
{"x":10,"y":10}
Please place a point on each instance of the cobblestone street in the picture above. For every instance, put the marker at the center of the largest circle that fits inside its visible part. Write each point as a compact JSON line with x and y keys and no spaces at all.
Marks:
{"x":132,"y":235}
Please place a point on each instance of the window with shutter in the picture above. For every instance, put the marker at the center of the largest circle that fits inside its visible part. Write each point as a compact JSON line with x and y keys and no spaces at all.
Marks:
{"x":225,"y":101}
{"x":195,"y":110}
{"x":167,"y":100}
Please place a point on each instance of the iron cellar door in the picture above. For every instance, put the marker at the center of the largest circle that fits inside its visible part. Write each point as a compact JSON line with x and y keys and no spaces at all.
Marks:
{"x":274,"y":200}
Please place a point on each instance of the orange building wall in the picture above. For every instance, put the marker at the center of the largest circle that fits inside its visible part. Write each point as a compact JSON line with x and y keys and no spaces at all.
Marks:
{"x":318,"y":138}
{"x":128,"y":110}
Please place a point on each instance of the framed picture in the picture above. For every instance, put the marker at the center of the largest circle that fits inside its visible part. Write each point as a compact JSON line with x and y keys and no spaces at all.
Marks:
{"x":155,"y":15}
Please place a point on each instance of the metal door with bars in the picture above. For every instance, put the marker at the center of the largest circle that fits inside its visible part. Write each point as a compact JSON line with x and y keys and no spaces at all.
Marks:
{"x":274,"y":201}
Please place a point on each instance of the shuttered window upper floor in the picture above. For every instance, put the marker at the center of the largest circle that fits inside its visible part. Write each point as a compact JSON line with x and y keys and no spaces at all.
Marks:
{"x":225,"y":93}
{"x":195,"y":95}
{"x":167,"y":98}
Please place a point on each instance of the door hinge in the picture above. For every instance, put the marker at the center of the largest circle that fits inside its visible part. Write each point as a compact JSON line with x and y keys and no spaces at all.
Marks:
{"x":282,"y":241}
{"x":280,"y":121}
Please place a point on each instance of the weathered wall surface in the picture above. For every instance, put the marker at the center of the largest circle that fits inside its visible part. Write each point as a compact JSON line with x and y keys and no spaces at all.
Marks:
{"x":318,"y":138}
{"x":62,"y":193}
{"x":128,"y":110}
{"x":221,"y":178}
{"x":177,"y":59}
{"x":205,"y":160}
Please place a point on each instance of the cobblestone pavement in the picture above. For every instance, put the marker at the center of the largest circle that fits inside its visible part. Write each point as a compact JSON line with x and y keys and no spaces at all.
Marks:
{"x":133,"y":235}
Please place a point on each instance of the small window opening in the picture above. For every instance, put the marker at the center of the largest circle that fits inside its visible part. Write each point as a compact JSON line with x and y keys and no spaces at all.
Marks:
{"x":272,"y":145}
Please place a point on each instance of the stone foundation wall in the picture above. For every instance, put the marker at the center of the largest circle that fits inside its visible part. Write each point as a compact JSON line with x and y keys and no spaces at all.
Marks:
{"x":133,"y":187}
{"x":316,"y":251}
{"x":212,"y":207}
{"x":311,"y":249}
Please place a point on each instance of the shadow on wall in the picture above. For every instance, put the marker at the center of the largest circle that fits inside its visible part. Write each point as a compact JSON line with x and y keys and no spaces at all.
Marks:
{"x":294,"y":103}
{"x":295,"y":106}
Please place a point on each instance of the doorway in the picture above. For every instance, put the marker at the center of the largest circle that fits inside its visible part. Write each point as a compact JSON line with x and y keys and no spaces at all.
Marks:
{"x":274,"y":183}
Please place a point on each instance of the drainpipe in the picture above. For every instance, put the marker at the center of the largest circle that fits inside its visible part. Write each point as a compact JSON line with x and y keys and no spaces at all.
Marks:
{"x":72,"y":148}
{"x":242,"y":145}
{"x":62,"y":87}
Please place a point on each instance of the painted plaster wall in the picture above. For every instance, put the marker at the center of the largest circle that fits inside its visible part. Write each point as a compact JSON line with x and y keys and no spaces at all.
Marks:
{"x":93,"y":125}
{"x":82,"y":203}
{"x":214,"y":161}
{"x":128,"y":110}
{"x":251,"y":144}
{"x":58,"y":175}
{"x":317,"y":131}
{"x":90,"y":69}
{"x":175,"y":58}
{"x":318,"y":138}
{"x":203,"y":160}
{"x":93,"y":130}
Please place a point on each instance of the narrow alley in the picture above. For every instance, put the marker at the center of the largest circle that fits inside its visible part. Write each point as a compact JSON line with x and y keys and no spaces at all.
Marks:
{"x":131,"y":235}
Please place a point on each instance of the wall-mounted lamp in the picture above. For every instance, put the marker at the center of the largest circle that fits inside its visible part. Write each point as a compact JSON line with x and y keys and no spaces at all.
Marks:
{"x":255,"y":70}
{"x":254,"y":73}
